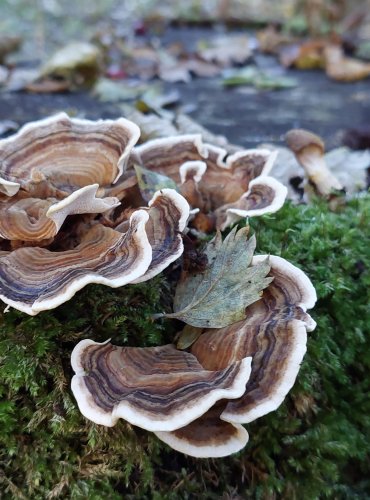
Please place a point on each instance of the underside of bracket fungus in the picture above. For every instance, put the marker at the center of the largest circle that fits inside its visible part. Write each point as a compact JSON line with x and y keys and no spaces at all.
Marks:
{"x":55,"y":174}
{"x":230,"y":187}
{"x":273,"y":336}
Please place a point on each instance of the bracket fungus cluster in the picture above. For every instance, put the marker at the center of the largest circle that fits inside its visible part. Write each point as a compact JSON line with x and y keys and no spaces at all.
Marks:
{"x":74,"y":211}
{"x":55,"y":175}
{"x":196,"y":401}
{"x":221,"y":188}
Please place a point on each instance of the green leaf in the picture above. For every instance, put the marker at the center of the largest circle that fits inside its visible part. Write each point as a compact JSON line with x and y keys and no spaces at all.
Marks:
{"x":149,"y":182}
{"x":188,"y":336}
{"x":218,"y":296}
{"x":260,"y":79}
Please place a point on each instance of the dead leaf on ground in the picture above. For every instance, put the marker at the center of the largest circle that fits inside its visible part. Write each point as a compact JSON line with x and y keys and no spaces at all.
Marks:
{"x":306,"y":55}
{"x":342,"y":68}
{"x":107,"y":90}
{"x":47,"y":86}
{"x":78,"y":63}
{"x":250,"y":75}
{"x":270,"y":41}
{"x":226,"y":50}
{"x":151,"y":125}
{"x":19,"y":78}
{"x":219,"y":296}
{"x":8,"y":44}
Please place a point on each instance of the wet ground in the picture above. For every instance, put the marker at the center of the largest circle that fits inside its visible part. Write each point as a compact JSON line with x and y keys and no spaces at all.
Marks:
{"x":246,"y":116}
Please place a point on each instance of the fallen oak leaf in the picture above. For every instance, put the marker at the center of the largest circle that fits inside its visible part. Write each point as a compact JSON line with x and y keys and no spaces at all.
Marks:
{"x":219,"y":296}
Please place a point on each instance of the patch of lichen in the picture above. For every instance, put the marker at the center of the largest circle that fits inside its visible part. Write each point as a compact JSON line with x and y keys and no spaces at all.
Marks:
{"x":314,"y":446}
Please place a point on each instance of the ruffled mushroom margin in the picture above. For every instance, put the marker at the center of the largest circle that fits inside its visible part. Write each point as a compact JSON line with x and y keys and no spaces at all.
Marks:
{"x":213,"y":388}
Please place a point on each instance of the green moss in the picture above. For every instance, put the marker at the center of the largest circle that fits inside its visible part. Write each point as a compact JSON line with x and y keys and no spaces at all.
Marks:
{"x":314,"y":446}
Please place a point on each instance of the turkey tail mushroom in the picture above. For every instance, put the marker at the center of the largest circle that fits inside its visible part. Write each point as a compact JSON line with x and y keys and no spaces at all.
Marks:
{"x":274,"y":335}
{"x":57,"y":155}
{"x":156,"y":388}
{"x":230,"y":187}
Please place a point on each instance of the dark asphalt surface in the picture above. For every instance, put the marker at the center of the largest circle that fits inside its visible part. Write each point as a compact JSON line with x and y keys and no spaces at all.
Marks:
{"x":246,"y":116}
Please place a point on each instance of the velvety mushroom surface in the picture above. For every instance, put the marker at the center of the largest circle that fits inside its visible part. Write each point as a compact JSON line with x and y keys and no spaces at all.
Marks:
{"x":274,"y":334}
{"x":233,"y":186}
{"x":34,"y":279}
{"x":59,"y":154}
{"x":59,"y":231}
{"x":156,"y":388}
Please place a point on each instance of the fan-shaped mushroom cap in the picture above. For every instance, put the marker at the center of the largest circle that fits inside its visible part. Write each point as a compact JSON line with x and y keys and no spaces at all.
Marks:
{"x":35,"y":279}
{"x":274,"y":334}
{"x":32,"y":219}
{"x":208,"y":436}
{"x":168,"y":214}
{"x":166,"y":155}
{"x":156,"y":388}
{"x":59,"y":154}
{"x":237,"y":185}
{"x":265,"y":195}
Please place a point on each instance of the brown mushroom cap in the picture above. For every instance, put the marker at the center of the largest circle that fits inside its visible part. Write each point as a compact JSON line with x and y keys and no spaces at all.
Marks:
{"x":309,"y":150}
{"x":208,"y":436}
{"x":35,"y":279}
{"x":56,"y":155}
{"x":274,"y":334}
{"x":235,"y":186}
{"x":156,"y":388}
{"x":168,"y":214}
{"x":299,"y":139}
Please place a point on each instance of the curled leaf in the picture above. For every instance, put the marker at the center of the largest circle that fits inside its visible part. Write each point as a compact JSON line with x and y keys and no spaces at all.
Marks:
{"x":218,"y":296}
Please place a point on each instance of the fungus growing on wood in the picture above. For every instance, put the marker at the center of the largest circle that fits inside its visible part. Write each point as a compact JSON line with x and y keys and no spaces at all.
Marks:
{"x":232,"y":187}
{"x":309,"y":150}
{"x":156,"y":388}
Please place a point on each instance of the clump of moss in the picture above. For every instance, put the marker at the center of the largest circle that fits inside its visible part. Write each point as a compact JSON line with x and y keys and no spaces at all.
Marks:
{"x":315,"y":445}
